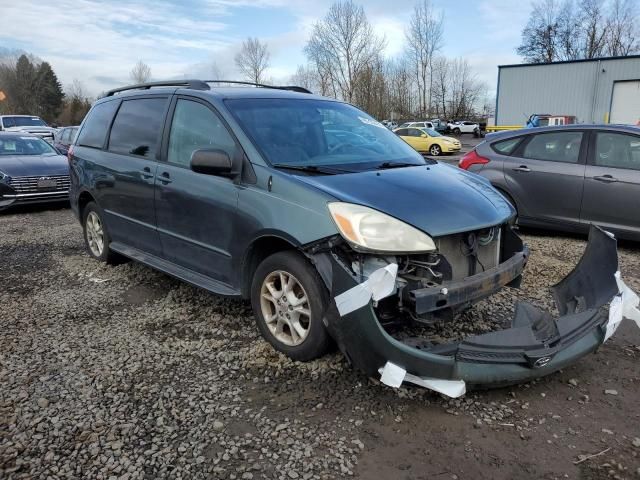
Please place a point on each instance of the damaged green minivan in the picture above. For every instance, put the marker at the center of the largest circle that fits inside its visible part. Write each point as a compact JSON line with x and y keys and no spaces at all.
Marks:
{"x":330,"y":224}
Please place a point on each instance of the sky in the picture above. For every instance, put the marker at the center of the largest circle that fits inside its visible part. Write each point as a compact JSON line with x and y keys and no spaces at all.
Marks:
{"x":98,"y":42}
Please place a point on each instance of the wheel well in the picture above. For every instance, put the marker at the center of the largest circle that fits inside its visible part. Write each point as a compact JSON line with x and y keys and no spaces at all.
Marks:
{"x":83,"y":200}
{"x":508,"y":196}
{"x":257,"y":252}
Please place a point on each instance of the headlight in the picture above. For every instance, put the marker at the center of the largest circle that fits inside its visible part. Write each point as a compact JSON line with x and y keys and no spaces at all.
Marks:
{"x":367,"y":229}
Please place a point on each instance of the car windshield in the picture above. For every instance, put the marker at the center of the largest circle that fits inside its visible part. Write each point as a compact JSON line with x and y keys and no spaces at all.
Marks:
{"x":319,"y":133}
{"x":9,"y":122}
{"x":431,"y":132}
{"x":18,"y":145}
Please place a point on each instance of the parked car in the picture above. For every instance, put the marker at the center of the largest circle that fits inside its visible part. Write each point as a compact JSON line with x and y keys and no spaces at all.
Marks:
{"x":390,"y":124}
{"x":566,"y":178}
{"x":426,"y":140}
{"x":31,"y":171}
{"x":433,"y":125}
{"x":63,"y":138}
{"x":237,"y":191}
{"x":458,"y":128}
{"x":28,"y":124}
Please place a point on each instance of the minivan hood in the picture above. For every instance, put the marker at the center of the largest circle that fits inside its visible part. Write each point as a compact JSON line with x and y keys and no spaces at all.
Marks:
{"x":437,"y":199}
{"x":32,"y":165}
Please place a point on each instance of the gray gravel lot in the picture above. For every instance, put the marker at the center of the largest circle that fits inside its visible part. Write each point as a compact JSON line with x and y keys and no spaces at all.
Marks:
{"x":125,"y":373}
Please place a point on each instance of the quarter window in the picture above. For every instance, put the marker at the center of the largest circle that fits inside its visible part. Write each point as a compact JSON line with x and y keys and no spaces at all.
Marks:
{"x":95,"y":128}
{"x":555,"y":147}
{"x":617,"y":150}
{"x":136,"y":129}
{"x":196,"y":127}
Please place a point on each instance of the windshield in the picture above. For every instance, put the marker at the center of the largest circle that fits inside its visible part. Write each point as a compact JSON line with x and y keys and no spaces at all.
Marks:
{"x":431,"y":132}
{"x":319,"y":133}
{"x":9,"y":122}
{"x":17,"y":145}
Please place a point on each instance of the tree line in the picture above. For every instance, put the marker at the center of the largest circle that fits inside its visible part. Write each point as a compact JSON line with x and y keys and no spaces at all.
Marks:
{"x":584,"y":29}
{"x":345,"y":60}
{"x":31,"y":87}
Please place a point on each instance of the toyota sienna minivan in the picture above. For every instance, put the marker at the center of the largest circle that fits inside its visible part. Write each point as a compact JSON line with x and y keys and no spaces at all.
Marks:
{"x":332,"y":226}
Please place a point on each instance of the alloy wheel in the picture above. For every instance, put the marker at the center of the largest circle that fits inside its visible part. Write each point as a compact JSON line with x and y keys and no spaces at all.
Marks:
{"x":95,"y":234}
{"x":285,"y":308}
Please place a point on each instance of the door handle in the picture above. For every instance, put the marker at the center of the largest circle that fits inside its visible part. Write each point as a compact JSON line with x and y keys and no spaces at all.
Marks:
{"x":522,"y":168}
{"x":605,"y":178}
{"x":146,"y":172}
{"x":165,"y":178}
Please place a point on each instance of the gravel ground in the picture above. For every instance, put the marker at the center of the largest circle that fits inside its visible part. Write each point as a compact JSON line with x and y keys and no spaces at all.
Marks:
{"x":125,"y":373}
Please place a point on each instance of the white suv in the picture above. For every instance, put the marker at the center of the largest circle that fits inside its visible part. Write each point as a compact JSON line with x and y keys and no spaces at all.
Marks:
{"x":27,"y":123}
{"x":463,"y":127}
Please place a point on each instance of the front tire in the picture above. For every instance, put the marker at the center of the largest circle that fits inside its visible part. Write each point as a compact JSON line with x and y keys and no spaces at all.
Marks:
{"x":435,"y":150}
{"x":96,"y":235}
{"x":456,"y":131}
{"x":289,"y":300}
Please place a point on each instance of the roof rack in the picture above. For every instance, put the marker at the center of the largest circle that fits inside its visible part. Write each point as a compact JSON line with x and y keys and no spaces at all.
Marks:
{"x":201,"y":85}
{"x":193,"y":84}
{"x":292,"y":88}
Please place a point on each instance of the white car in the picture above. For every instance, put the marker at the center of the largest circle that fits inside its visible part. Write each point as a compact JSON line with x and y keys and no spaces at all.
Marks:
{"x":27,"y":124}
{"x":463,"y":127}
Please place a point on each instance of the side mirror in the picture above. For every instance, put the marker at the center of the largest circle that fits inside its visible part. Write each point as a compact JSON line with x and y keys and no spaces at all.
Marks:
{"x":424,"y":135}
{"x":211,"y":162}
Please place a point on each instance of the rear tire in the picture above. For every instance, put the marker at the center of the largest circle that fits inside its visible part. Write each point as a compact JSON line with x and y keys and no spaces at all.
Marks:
{"x":456,"y":131}
{"x":289,"y":301}
{"x":96,"y":235}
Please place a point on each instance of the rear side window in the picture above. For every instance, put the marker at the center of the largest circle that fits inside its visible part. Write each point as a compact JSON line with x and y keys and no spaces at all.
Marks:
{"x":136,"y":129}
{"x":554,"y":147}
{"x":95,"y":127}
{"x":196,"y":127}
{"x":506,"y":147}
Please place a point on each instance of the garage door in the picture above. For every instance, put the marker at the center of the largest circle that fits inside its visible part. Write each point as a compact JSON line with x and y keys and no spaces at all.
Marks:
{"x":625,"y":105}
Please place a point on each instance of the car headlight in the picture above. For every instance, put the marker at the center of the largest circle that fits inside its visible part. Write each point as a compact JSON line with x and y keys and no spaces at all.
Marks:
{"x":367,"y":229}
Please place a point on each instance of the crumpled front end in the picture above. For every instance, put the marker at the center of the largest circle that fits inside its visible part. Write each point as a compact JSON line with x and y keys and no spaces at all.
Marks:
{"x":536,"y":344}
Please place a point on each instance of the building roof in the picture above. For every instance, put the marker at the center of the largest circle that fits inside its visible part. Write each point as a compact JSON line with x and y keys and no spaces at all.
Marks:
{"x":582,"y":60}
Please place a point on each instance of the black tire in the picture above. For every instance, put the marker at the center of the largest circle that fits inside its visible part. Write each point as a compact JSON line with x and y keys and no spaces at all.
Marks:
{"x":317,"y":341}
{"x":435,"y":150}
{"x":108,"y":256}
{"x":456,"y":131}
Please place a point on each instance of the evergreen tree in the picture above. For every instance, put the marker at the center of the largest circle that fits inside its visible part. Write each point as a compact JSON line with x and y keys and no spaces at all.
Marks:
{"x":48,"y":92}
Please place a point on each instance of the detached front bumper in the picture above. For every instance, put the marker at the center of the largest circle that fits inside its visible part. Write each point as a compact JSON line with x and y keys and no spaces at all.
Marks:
{"x":535,"y":345}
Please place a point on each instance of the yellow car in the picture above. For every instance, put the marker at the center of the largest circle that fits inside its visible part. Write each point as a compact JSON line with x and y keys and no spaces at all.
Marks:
{"x":426,"y":140}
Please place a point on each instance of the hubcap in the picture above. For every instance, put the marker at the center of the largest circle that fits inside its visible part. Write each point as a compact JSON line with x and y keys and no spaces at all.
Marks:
{"x":434,"y":151}
{"x":285,"y":308}
{"x":95,"y":234}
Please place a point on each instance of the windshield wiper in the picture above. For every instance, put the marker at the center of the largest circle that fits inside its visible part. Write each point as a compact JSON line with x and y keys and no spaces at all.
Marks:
{"x":385,"y":165}
{"x":310,"y":168}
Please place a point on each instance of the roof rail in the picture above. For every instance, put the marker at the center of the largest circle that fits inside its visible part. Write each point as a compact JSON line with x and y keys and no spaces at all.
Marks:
{"x":193,"y":84}
{"x":292,"y":88}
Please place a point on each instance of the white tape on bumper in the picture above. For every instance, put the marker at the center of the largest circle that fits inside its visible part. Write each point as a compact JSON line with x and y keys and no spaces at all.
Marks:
{"x":624,"y":305}
{"x":379,"y":285}
{"x":393,"y":376}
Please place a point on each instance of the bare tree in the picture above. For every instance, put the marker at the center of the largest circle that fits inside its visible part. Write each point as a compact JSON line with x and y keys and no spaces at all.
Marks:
{"x":540,"y":35}
{"x":565,"y":30}
{"x":342,"y":46}
{"x":216,"y":72}
{"x":593,"y":28}
{"x":424,"y":40}
{"x":306,"y":77}
{"x":140,"y":73}
{"x":622,"y":34}
{"x":253,"y":59}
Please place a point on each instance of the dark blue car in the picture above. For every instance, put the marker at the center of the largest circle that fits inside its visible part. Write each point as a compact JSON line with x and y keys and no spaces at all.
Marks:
{"x":31,"y":171}
{"x":331,"y":225}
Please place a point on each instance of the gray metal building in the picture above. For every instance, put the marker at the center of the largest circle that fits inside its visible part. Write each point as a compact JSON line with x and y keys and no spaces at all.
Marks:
{"x":605,"y":90}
